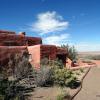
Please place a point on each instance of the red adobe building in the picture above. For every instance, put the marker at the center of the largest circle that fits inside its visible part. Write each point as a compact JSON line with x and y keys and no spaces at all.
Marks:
{"x":11,"y":43}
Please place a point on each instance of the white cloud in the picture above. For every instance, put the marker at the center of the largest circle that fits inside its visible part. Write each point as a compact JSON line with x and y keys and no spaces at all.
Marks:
{"x":83,"y":46}
{"x":57,"y":39}
{"x":49,"y":22}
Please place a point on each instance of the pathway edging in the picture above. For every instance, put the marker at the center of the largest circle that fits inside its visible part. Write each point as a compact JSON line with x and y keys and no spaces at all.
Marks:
{"x":81,"y":84}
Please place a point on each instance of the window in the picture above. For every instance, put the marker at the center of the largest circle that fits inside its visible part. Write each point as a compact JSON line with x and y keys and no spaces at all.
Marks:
{"x":30,"y":57}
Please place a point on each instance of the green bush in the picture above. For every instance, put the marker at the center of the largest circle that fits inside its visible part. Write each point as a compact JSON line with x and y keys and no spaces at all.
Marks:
{"x":81,"y":70}
{"x":64,"y":95}
{"x":52,"y":63}
{"x":73,"y":82}
{"x":60,"y":76}
{"x":56,"y":63}
{"x":60,"y":97}
{"x":64,"y":77}
{"x":45,"y":75}
{"x":54,"y":73}
{"x":72,"y":53}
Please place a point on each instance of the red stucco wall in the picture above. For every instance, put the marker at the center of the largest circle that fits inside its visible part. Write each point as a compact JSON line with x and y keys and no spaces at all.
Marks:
{"x":6,"y":52}
{"x":6,"y":32}
{"x":48,"y":51}
{"x":10,"y":43}
{"x":18,"y":40}
{"x":35,"y":55}
{"x":39,"y":52}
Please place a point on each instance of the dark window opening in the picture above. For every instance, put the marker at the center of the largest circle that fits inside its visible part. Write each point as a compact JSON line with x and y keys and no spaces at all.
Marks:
{"x":62,"y":58}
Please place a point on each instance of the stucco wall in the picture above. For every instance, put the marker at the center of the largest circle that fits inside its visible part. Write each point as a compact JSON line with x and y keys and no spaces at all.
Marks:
{"x":34,"y":52}
{"x":18,"y":40}
{"x":6,"y":52}
{"x":48,"y":51}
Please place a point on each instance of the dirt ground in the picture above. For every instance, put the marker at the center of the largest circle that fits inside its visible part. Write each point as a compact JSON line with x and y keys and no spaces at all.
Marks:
{"x":97,"y":62}
{"x":50,"y":93}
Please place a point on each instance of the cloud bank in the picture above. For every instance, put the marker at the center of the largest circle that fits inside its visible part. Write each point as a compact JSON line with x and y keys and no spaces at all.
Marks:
{"x":49,"y":22}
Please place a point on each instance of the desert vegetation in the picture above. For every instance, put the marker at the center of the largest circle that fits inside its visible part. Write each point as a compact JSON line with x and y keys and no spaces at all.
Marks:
{"x":19,"y":80}
{"x":92,"y":57}
{"x":54,"y":74}
{"x":15,"y":81}
{"x":72,"y":52}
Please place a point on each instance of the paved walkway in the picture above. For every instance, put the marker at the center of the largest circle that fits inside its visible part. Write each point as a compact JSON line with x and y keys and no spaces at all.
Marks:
{"x":91,"y":86}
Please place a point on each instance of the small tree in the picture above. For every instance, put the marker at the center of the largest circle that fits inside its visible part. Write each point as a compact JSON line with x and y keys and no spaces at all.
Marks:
{"x":72,"y":53}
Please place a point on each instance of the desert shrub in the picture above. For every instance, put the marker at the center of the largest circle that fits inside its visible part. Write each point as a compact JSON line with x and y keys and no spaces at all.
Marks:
{"x":43,"y":76}
{"x":86,"y":61}
{"x":56,"y":63}
{"x":81,"y":70}
{"x":60,"y":76}
{"x":72,"y":52}
{"x":77,"y":73}
{"x":63,"y":95}
{"x":73,"y":82}
{"x":54,"y":73}
{"x":60,"y":97}
{"x":95,"y":57}
{"x":52,"y":63}
{"x":17,"y":82}
{"x":64,"y":77}
{"x":44,"y":62}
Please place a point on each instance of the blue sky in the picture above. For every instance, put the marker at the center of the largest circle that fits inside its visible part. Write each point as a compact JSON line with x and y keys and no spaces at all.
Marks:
{"x":76,"y":22}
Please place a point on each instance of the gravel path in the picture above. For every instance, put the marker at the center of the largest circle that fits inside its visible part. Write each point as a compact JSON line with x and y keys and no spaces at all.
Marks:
{"x":91,"y":86}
